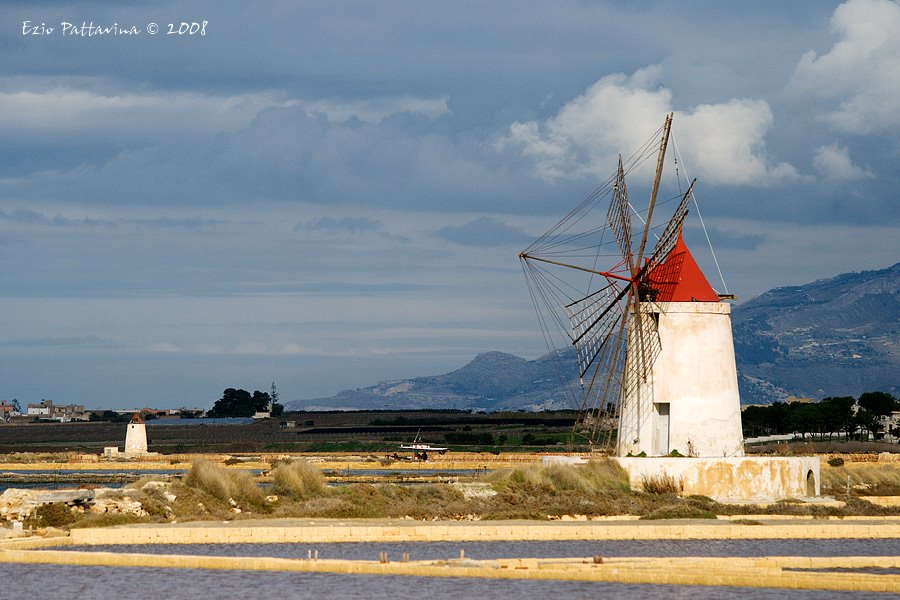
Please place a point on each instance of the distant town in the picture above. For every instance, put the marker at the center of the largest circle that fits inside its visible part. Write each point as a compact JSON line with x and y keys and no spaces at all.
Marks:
{"x":873,"y":416}
{"x":47,"y":410}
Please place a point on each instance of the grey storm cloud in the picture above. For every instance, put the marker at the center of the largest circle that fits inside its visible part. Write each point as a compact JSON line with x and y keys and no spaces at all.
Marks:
{"x":341,"y":225}
{"x":324,"y":179}
{"x":24,"y":216}
{"x":483,"y":231}
{"x":90,"y":341}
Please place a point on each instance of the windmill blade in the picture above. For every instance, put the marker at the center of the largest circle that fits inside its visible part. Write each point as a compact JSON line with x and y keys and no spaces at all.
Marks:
{"x":636,"y":395}
{"x":621,"y":347}
{"x":619,"y":216}
{"x":600,"y":403}
{"x":644,"y":344}
{"x":593,"y":320}
{"x":673,"y":228}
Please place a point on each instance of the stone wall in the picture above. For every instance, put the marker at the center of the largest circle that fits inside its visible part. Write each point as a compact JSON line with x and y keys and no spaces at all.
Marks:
{"x":746,"y":478}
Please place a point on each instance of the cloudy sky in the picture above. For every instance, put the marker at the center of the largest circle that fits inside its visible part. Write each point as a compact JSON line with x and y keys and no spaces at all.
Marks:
{"x":329,"y":194}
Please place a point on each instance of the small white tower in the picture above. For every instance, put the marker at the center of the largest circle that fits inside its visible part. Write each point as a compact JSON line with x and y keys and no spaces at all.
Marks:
{"x":136,"y":437}
{"x":690,"y":400}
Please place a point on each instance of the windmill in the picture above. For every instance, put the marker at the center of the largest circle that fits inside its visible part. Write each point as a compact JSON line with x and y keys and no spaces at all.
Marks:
{"x":611,"y":318}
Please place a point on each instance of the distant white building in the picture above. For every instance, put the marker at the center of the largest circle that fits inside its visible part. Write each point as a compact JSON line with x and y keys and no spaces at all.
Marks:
{"x":58,"y":412}
{"x":136,"y":437}
{"x":6,"y":410}
{"x":40,"y":410}
{"x":890,"y":422}
{"x":264,"y":414}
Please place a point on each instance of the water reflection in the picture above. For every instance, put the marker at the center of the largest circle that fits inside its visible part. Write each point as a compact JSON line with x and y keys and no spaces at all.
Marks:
{"x":53,"y":582}
{"x":543,"y":549}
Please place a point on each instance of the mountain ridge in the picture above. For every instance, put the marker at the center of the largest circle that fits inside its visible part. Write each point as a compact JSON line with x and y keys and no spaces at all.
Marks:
{"x":831,"y":337}
{"x":835,"y":336}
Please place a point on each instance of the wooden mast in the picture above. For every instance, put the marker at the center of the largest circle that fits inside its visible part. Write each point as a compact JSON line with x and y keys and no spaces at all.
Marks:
{"x":637,"y":338}
{"x":660,"y":161}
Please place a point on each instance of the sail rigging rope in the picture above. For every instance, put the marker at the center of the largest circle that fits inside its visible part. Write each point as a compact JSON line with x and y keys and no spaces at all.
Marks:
{"x":702,"y":224}
{"x":569,"y":302}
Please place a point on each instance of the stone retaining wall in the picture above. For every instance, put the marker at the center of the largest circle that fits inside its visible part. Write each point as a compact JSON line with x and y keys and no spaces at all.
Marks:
{"x":746,"y":478}
{"x":405,"y":531}
{"x":769,"y":572}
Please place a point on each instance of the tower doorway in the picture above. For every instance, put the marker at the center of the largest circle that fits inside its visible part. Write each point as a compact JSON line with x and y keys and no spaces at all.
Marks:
{"x":662,"y":428}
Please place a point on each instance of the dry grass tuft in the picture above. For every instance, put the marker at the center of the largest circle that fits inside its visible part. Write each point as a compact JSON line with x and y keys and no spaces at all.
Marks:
{"x":606,"y":475}
{"x":661,"y":484}
{"x":224,"y":485}
{"x":36,"y":457}
{"x":866,"y":479}
{"x":538,"y":492}
{"x":298,"y":480}
{"x":593,"y":477}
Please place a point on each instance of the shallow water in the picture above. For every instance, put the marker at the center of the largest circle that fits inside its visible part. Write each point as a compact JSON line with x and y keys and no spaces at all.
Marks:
{"x":59,"y":485}
{"x":105,"y":583}
{"x":65,"y":471}
{"x":551,"y":549}
{"x":75,"y":477}
{"x":58,"y":582}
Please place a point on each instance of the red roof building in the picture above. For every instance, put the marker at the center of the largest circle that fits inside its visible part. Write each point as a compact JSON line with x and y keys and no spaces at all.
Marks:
{"x":679,"y":279}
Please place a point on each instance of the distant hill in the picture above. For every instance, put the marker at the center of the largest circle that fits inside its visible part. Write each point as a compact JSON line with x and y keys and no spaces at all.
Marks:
{"x":492,"y":381}
{"x":831,"y":337}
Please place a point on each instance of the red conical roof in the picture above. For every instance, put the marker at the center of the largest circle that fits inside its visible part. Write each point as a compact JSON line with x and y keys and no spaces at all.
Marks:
{"x":679,"y":279}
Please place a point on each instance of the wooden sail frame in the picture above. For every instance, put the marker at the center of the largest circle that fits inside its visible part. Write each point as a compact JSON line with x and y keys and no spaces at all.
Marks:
{"x":615,"y":339}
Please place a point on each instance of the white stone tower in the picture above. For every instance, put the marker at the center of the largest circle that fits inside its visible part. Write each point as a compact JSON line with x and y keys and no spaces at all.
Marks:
{"x":136,"y":437}
{"x":689,"y":401}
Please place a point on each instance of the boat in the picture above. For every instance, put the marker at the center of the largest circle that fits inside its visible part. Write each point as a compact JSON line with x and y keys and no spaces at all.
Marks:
{"x":421,"y":449}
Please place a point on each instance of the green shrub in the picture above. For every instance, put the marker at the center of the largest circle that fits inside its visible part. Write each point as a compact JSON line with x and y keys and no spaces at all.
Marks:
{"x":55,"y":514}
{"x":106,"y":520}
{"x":530,"y":439}
{"x":154,"y":503}
{"x":703,"y":503}
{"x":837,"y":461}
{"x":472,"y":438}
{"x":678,"y":511}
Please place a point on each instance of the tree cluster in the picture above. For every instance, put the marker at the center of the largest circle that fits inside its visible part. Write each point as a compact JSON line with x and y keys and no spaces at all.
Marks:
{"x":241,"y":403}
{"x":108,"y":415}
{"x":472,"y":438}
{"x":840,"y":416}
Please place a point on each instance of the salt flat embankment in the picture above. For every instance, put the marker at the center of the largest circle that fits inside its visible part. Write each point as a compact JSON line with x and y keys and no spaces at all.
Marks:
{"x":404,"y":530}
{"x":867,"y":573}
{"x":330,"y":460}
